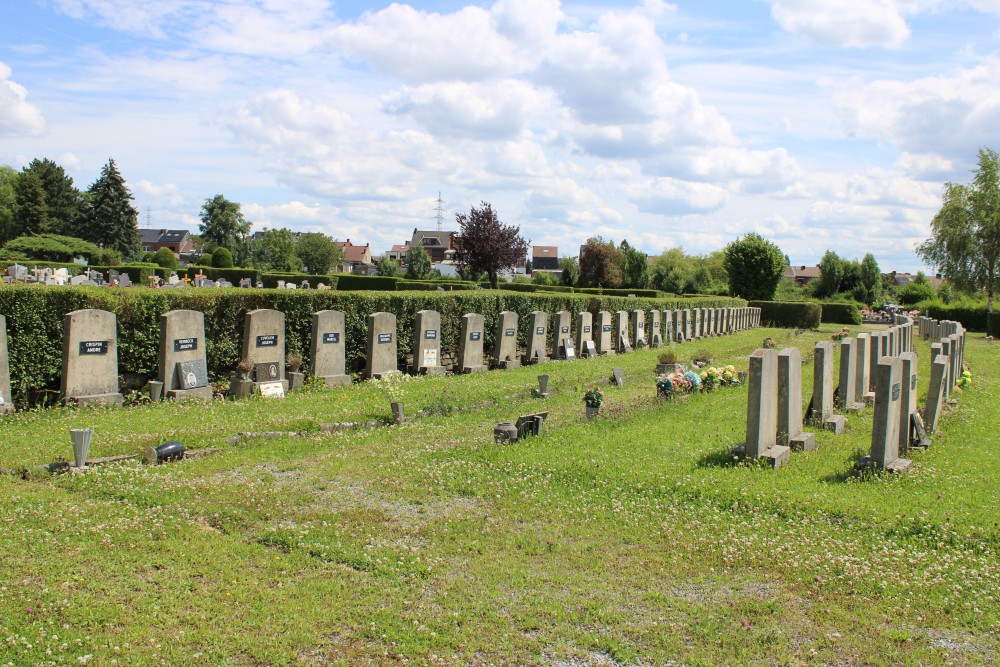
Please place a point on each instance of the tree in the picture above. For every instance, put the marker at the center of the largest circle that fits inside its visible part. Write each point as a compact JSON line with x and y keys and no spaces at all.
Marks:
{"x":8,"y":196}
{"x":223,"y":225}
{"x":274,"y":250}
{"x":63,"y":201}
{"x":165,"y":258}
{"x":870,"y":287}
{"x":671,"y":271}
{"x":221,"y":258}
{"x":915,"y":291}
{"x":418,"y":262}
{"x":570,"y":271}
{"x":386,"y":266}
{"x":484,"y":244}
{"x":755,"y":266}
{"x":30,"y":213}
{"x":53,"y":248}
{"x":110,"y":219}
{"x":318,"y":252}
{"x":635,"y":267}
{"x":831,"y":273}
{"x":965,"y":234}
{"x":600,"y":264}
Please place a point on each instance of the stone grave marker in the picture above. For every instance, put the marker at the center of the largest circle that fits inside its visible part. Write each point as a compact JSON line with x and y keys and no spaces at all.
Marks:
{"x":124,"y":280}
{"x":562,"y":329}
{"x":862,"y":375}
{"x":955,"y":340}
{"x":6,"y":403}
{"x":790,"y":431}
{"x":638,"y":320}
{"x":90,"y":358}
{"x":885,"y":429}
{"x":505,"y":346}
{"x":907,"y":399}
{"x":584,"y":331}
{"x":875,"y":355}
{"x":948,"y":380}
{"x":618,"y":377}
{"x":543,"y":387}
{"x":381,"y":346}
{"x":470,"y":347}
{"x":76,"y":281}
{"x":328,"y":348}
{"x":935,"y":392}
{"x":246,"y":283}
{"x":603,"y":336}
{"x":822,"y":400}
{"x":655,"y":332}
{"x":539,"y":336}
{"x":427,"y":343}
{"x":762,"y":410}
{"x":183,"y":370}
{"x":569,"y":352}
{"x":684,"y":325}
{"x":264,"y":348}
{"x":621,"y":343}
{"x":848,"y":385}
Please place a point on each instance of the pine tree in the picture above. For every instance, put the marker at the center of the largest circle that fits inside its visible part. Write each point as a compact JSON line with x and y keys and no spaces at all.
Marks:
{"x":30,"y":212}
{"x":111,"y":220}
{"x":63,"y":201}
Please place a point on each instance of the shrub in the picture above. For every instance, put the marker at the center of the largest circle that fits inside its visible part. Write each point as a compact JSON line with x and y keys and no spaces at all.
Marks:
{"x":789,"y":314}
{"x":518,"y":287}
{"x":52,"y":247}
{"x":205,"y":260}
{"x":222,"y":258}
{"x":165,"y":257}
{"x":971,"y":314}
{"x":648,"y":293}
{"x":994,"y":324}
{"x":841,"y":313}
{"x":347,"y":281}
{"x":557,"y":288}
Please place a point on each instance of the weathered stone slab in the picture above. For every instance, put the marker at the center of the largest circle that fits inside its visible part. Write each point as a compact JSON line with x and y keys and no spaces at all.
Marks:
{"x":264,"y":343}
{"x":637,"y":321}
{"x":427,"y":343}
{"x":6,"y":401}
{"x":655,"y":331}
{"x":603,"y":336}
{"x":907,"y":399}
{"x":584,"y":331}
{"x":90,"y":358}
{"x":789,"y":428}
{"x":381,"y":348}
{"x":621,"y":342}
{"x":182,"y":341}
{"x":862,"y":374}
{"x":328,"y":348}
{"x":885,"y":428}
{"x":470,"y":347}
{"x":668,"y":327}
{"x":935,"y":392}
{"x":538,"y":337}
{"x":847,"y":388}
{"x":562,"y":329}
{"x":505,"y":343}
{"x":762,"y":409}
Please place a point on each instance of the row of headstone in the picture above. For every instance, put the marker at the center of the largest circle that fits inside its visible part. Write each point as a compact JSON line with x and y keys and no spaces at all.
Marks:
{"x":947,"y":362}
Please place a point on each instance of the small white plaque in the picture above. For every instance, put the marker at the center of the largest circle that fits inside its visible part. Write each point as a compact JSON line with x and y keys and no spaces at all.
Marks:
{"x":430,"y":357}
{"x":272,"y":389}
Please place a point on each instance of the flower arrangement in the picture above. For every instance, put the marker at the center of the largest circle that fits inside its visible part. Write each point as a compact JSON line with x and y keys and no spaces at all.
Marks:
{"x":713,"y":378}
{"x":391,"y":384}
{"x":964,"y":380}
{"x":669,"y":384}
{"x":841,"y":335}
{"x":769,"y":344}
{"x":593,"y":397}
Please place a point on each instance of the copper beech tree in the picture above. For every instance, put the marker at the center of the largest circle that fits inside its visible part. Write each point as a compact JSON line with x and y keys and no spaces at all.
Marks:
{"x":486,"y":245}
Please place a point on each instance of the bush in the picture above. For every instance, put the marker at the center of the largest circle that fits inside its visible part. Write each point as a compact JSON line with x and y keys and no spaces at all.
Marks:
{"x":222,"y":258}
{"x":559,"y":288}
{"x":647,"y":293}
{"x":789,"y":314}
{"x":53,"y":247}
{"x":971,"y":314}
{"x":994,"y":322}
{"x":841,"y":313}
{"x":518,"y":287}
{"x":347,"y":281}
{"x":913,"y":293}
{"x":205,"y":260}
{"x":165,"y":257}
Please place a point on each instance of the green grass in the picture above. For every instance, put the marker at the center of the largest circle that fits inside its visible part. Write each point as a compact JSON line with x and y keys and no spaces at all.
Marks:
{"x":632,"y":539}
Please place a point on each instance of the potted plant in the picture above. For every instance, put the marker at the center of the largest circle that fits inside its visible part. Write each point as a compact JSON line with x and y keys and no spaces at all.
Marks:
{"x":669,"y":363}
{"x":293,"y":362}
{"x":701,"y":358}
{"x":592,"y":398}
{"x":243,"y":369}
{"x":241,"y":385}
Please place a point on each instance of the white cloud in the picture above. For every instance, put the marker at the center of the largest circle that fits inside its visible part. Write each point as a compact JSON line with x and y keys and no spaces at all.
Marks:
{"x":669,"y":196}
{"x":128,"y":15}
{"x":855,"y":23}
{"x":17,"y":115}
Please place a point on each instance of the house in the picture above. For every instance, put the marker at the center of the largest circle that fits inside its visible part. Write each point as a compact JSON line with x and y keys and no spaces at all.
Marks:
{"x":439,"y":245}
{"x":398,"y":253}
{"x":898,"y":279}
{"x":544,"y":258}
{"x":355,"y":259}
{"x":802,"y":275}
{"x":178,"y":240}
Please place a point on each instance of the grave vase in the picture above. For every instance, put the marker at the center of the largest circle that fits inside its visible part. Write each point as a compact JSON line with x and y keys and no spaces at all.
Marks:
{"x":593,"y":411}
{"x":505,"y":433}
{"x":81,"y":445}
{"x":155,"y":391}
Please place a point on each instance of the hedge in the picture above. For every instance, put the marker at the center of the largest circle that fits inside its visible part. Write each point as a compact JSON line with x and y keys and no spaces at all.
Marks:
{"x":971,"y":314}
{"x":841,"y":313}
{"x":518,"y":287}
{"x":789,"y":314}
{"x":35,"y":320}
{"x":994,"y":322}
{"x":648,"y":293}
{"x":555,"y":288}
{"x":349,"y":281}
{"x":271,"y":279}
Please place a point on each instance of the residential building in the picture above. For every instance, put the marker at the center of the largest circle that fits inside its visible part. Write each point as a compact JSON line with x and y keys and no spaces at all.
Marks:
{"x":802,"y":275}
{"x":439,"y":245}
{"x":178,"y":240}
{"x":355,"y":259}
{"x":398,"y":253}
{"x":544,"y":258}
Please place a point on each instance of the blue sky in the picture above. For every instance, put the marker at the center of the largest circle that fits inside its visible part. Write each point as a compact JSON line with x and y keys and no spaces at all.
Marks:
{"x":821,"y":125}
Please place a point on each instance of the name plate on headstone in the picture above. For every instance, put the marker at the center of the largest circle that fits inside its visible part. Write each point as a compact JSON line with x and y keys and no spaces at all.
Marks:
{"x":509,"y":332}
{"x":430,"y":334}
{"x":430,"y":357}
{"x":185,"y":344}
{"x":568,"y":348}
{"x":895,"y":391}
{"x":93,"y":347}
{"x":539,"y":330}
{"x":564,"y":330}
{"x":475,"y":335}
{"x":638,"y":325}
{"x":192,"y":374}
{"x":270,"y":340}
{"x":384,"y":338}
{"x":330,"y":338}
{"x":589,"y":348}
{"x":607,"y":327}
{"x":267,"y":372}
{"x":586,"y":329}
{"x":913,"y":382}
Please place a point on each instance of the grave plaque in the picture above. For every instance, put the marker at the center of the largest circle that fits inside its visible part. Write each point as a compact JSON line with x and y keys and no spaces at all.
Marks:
{"x":603,"y":338}
{"x":885,"y":428}
{"x":622,"y":344}
{"x":505,"y":345}
{"x":537,"y":346}
{"x":6,"y":406}
{"x":192,"y":374}
{"x":568,"y":351}
{"x":655,"y":331}
{"x":617,"y":377}
{"x":470,"y":347}
{"x":381,"y":347}
{"x":182,"y":335}
{"x":427,"y":343}
{"x":328,"y":349}
{"x":90,"y":358}
{"x":584,"y":321}
{"x":264,"y":343}
{"x":907,"y":398}
{"x":589,"y":349}
{"x":562,"y":330}
{"x":762,"y":410}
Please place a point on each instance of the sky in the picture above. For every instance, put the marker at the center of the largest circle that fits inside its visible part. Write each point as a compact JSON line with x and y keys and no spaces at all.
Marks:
{"x":819,"y":124}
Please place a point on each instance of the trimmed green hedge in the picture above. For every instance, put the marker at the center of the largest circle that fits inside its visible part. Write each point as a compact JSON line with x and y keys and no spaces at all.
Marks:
{"x":841,"y":313}
{"x":971,"y":314}
{"x":789,"y":314}
{"x":647,"y":293}
{"x":519,"y":287}
{"x":35,"y":321}
{"x":565,"y":289}
{"x":348,"y":281}
{"x":994,"y":322}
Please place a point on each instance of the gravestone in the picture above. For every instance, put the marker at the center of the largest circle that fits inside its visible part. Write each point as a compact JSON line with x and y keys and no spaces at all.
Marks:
{"x":822,"y":400}
{"x":955,"y":340}
{"x":655,"y":332}
{"x":562,"y":329}
{"x":848,"y":385}
{"x":381,"y":345}
{"x":538,"y":337}
{"x":907,"y":399}
{"x":679,"y":335}
{"x":762,"y":410}
{"x":264,"y":348}
{"x":470,"y":347}
{"x":569,"y":352}
{"x":246,"y":283}
{"x":695,"y":323}
{"x":427,"y":343}
{"x":328,"y":348}
{"x":789,"y":430}
{"x":617,"y":377}
{"x":124,"y":280}
{"x":584,"y":332}
{"x":885,"y":428}
{"x":76,"y":281}
{"x":862,"y":375}
{"x":683,"y":319}
{"x":505,"y":345}
{"x":948,"y":379}
{"x":603,"y":336}
{"x":621,"y":343}
{"x":543,"y":387}
{"x":183,"y":369}
{"x":90,"y":358}
{"x":638,"y":320}
{"x":935,"y":392}
{"x":6,"y":403}
{"x":875,"y":355}
{"x":668,"y":327}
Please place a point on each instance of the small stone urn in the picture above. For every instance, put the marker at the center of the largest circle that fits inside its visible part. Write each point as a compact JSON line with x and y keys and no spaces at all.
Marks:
{"x":505,"y":433}
{"x":593,"y":411}
{"x":81,"y":445}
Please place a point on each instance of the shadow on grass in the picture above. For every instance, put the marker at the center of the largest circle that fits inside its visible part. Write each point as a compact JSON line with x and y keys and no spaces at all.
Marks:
{"x":849,"y":473}
{"x":720,"y":458}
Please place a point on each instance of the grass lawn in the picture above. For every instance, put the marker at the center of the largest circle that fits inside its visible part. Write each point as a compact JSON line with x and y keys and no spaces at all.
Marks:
{"x":632,"y":539}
